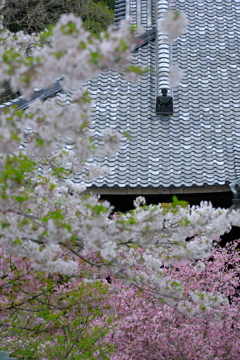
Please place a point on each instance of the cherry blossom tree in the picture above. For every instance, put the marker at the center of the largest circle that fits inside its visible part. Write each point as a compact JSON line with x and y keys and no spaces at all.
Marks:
{"x":52,"y":316}
{"x":40,"y":215}
{"x":146,"y":329}
{"x":51,"y":228}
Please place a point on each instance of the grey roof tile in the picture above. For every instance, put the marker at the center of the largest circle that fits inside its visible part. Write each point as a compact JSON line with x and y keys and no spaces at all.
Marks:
{"x":198,"y":145}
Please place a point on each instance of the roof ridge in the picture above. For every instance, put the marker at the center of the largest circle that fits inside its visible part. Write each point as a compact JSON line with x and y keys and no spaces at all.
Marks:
{"x":42,"y":94}
{"x":163,"y":52}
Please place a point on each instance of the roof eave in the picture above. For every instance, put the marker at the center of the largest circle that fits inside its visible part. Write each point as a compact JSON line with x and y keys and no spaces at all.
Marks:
{"x":159,"y":190}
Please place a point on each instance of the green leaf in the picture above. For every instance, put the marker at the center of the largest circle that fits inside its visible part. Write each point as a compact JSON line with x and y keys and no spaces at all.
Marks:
{"x":176,"y":202}
{"x":126,"y":134}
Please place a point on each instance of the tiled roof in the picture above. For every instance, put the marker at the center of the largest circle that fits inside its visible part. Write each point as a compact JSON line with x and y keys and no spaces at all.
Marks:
{"x":42,"y":94}
{"x":199,"y":144}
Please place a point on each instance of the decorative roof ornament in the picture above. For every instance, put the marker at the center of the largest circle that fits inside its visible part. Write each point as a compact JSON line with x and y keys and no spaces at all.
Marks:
{"x":170,"y":25}
{"x":235,"y":187}
{"x":163,"y":62}
{"x":164,"y":104}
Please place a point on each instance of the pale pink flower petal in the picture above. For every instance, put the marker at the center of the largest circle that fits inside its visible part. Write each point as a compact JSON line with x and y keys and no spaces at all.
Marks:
{"x":176,"y":75}
{"x":173,"y":23}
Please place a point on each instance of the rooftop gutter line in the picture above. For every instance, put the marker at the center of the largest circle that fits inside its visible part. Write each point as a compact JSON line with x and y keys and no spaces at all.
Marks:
{"x":139,"y":13}
{"x":127,"y":4}
{"x":149,"y":14}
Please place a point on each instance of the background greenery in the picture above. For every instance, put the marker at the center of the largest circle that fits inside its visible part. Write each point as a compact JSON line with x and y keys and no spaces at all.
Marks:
{"x":33,"y":16}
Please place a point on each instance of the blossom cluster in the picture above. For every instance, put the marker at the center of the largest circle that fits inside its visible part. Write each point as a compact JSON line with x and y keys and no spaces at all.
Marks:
{"x":173,"y":24}
{"x":43,"y":209}
{"x":147,"y":329}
